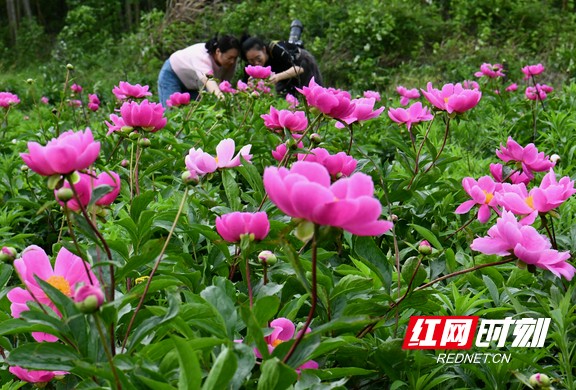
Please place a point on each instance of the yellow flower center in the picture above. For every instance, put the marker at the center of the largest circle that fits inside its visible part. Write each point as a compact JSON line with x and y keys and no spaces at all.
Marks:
{"x":445,"y":100}
{"x":489,"y":197}
{"x":276,"y":343}
{"x":61,"y":284}
{"x":529,"y":201}
{"x":216,"y":158}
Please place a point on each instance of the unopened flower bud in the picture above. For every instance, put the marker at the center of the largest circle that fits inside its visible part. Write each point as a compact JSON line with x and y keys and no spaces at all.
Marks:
{"x":144,"y":142}
{"x":89,"y":299}
{"x":393,"y":218}
{"x":267,"y":258}
{"x":64,"y":194}
{"x":315,"y":138}
{"x":219,"y":115}
{"x":424,"y":248}
{"x":7,"y":253}
{"x":254,"y":94}
{"x":189,"y":178}
{"x":134,"y":136}
{"x":540,"y":381}
{"x":292,"y":144}
{"x":124,"y":163}
{"x":30,"y":81}
{"x":69,"y":66}
{"x":126,"y":129}
{"x":24,"y":168}
{"x":304,"y":231}
{"x":555,"y":158}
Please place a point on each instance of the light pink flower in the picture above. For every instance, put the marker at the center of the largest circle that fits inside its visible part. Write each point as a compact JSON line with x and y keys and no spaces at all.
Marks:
{"x":233,"y":226}
{"x":535,"y":93}
{"x":452,"y":98}
{"x":363,"y":111}
{"x":93,"y":102}
{"x":374,"y":95}
{"x":178,"y":99}
{"x":516,"y":177}
{"x":416,"y":113}
{"x":241,"y":85}
{"x":8,"y":99}
{"x":75,"y":103}
{"x":145,"y":115}
{"x":111,"y":179}
{"x":285,"y":119}
{"x":512,"y":87}
{"x":76,"y":88}
{"x":282,"y":149}
{"x":332,"y":102}
{"x":71,"y":151}
{"x":200,"y":163}
{"x":470,"y":84}
{"x":116,"y":125}
{"x":552,"y":193}
{"x":126,"y":90}
{"x":85,"y":296}
{"x":226,"y":87}
{"x":258,"y":72}
{"x":349,"y":203}
{"x":34,"y":376}
{"x":491,"y":71}
{"x":528,"y":156}
{"x":44,"y":100}
{"x":68,"y":274}
{"x":482,"y":194}
{"x":532,"y":70}
{"x":83,"y":189}
{"x":262,"y":87}
{"x":407,"y":94}
{"x":338,"y":165}
{"x":292,"y":101}
{"x":515,"y":198}
{"x":508,"y":237}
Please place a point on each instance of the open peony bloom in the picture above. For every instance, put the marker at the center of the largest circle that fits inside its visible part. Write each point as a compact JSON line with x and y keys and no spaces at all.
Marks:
{"x":111,"y":179}
{"x":199,"y":162}
{"x":496,"y":170}
{"x":34,"y":376}
{"x":8,"y":99}
{"x":512,"y":87}
{"x":363,"y":111}
{"x":145,"y":115}
{"x":292,"y":101}
{"x":282,"y":149}
{"x":470,"y":84}
{"x":76,"y":88}
{"x":491,"y":71}
{"x":453,"y":98}
{"x":69,"y":272}
{"x":226,"y":87}
{"x":178,"y":99}
{"x":416,"y":113}
{"x":285,"y":119}
{"x":116,"y":125}
{"x":305,"y":192}
{"x":515,"y":198}
{"x":509,"y":237}
{"x":482,"y":194}
{"x":71,"y":151}
{"x":535,"y":93}
{"x":93,"y":102}
{"x":338,"y":165}
{"x":86,"y":185}
{"x":407,"y":94}
{"x":233,"y":226}
{"x":532,"y":70}
{"x":528,"y":156}
{"x":332,"y":102}
{"x":258,"y":72}
{"x":126,"y":91}
{"x":373,"y":95}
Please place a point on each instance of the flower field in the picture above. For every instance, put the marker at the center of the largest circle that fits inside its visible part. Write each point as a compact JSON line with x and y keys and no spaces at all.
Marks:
{"x":312,"y":242}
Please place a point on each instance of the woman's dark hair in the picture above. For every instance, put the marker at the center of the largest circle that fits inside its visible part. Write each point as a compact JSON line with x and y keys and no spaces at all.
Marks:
{"x":224,"y":43}
{"x":250,"y":43}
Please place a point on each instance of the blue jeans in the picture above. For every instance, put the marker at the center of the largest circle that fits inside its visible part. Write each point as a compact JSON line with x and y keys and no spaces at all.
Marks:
{"x":168,"y":83}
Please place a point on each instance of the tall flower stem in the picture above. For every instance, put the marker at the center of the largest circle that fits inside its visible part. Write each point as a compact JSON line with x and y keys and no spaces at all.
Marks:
{"x":107,"y":351}
{"x":154,"y":269}
{"x":61,"y":107}
{"x":73,"y":236}
{"x":314,"y":298}
{"x":136,"y":173}
{"x":549,"y":231}
{"x":188,"y":115}
{"x":248,"y":281}
{"x":351,"y":128}
{"x":417,"y":159}
{"x":446,"y":132}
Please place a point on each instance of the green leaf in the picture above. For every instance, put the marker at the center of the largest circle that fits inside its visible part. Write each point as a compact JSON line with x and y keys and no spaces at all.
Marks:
{"x":265,"y":308}
{"x":231,"y":189}
{"x":341,"y":372}
{"x":246,"y":362}
{"x":369,"y":254}
{"x":140,"y":203}
{"x":154,"y":385}
{"x":222,"y":371}
{"x":428,"y":235}
{"x":217,"y":297}
{"x":190,"y":373}
{"x":44,"y":356}
{"x":276,"y":375}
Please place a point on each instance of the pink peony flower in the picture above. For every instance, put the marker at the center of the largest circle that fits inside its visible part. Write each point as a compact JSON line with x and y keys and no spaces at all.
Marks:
{"x":407,"y":94}
{"x":349,"y":203}
{"x":512,"y":87}
{"x":68,"y":274}
{"x":93,"y":102}
{"x":546,"y":88}
{"x":83,"y":189}
{"x":508,"y":237}
{"x":470,"y":84}
{"x":532,"y":70}
{"x":146,"y":115}
{"x":482,"y":194}
{"x":200,"y":163}
{"x":241,"y":86}
{"x":71,"y":151}
{"x":233,"y":226}
{"x":332,"y":102}
{"x":374,"y":95}
{"x":89,"y":298}
{"x":178,"y":99}
{"x":452,"y":98}
{"x":515,"y":198}
{"x":116,"y":125}
{"x":282,"y":149}
{"x":126,"y":91}
{"x":258,"y":72}
{"x":34,"y":376}
{"x":75,"y":103}
{"x":535,"y":93}
{"x":491,"y":71}
{"x":76,"y":88}
{"x":111,"y":179}
{"x":262,"y":87}
{"x":363,"y":111}
{"x":8,"y":99}
{"x":416,"y":113}
{"x":292,"y":101}
{"x":515,"y":177}
{"x":530,"y":159}
{"x":44,"y":100}
{"x":285,"y":119}
{"x":226,"y":87}
{"x":338,"y":165}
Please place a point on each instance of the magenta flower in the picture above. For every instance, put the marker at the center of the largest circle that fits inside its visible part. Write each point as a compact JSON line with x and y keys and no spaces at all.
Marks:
{"x":416,"y":113}
{"x":482,"y":194}
{"x":374,"y":95}
{"x":332,"y":102}
{"x":111,"y":179}
{"x":292,"y":101}
{"x":515,"y":198}
{"x":363,"y":111}
{"x":200,"y":163}
{"x":338,"y":165}
{"x":512,"y":87}
{"x":491,"y":71}
{"x":76,"y":88}
{"x":470,"y":84}
{"x":68,"y":274}
{"x":285,"y":119}
{"x":233,"y":226}
{"x":116,"y":125}
{"x":89,"y":298}
{"x":282,"y":149}
{"x":75,"y":103}
{"x":262,"y":87}
{"x":516,"y":177}
{"x":545,"y":88}
{"x":93,"y":102}
{"x":349,"y":203}
{"x":226,"y":87}
{"x":241,"y":86}
{"x":43,"y":100}
{"x":407,"y":94}
{"x":126,"y":91}
{"x":8,"y":99}
{"x":508,"y":237}
{"x":83,"y":189}
{"x":34,"y":376}
{"x":452,"y":98}
{"x":258,"y":72}
{"x":532,"y":70}
{"x":552,"y":193}
{"x":145,"y":115}
{"x":178,"y":99}
{"x":535,"y":93}
{"x":71,"y":151}
{"x":530,"y":159}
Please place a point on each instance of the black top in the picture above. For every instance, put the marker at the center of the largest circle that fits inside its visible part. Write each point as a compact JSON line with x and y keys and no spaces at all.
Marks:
{"x":282,"y":56}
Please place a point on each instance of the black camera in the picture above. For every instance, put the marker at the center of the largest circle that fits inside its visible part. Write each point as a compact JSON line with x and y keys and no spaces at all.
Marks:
{"x":296,"y":28}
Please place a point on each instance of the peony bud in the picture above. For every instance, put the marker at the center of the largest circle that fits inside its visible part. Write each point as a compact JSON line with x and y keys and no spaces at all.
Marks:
{"x":69,"y":66}
{"x":124,"y":163}
{"x":267,"y":258}
{"x":555,"y":158}
{"x":7,"y":253}
{"x":64,"y":194}
{"x":315,"y":138}
{"x":424,"y":248}
{"x":539,"y":381}
{"x":89,"y":299}
{"x":144,"y":142}
{"x":30,"y":81}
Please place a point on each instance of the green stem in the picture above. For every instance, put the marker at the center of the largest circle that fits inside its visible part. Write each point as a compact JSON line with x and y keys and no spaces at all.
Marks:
{"x":106,"y":350}
{"x":446,"y":132}
{"x":417,"y":159}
